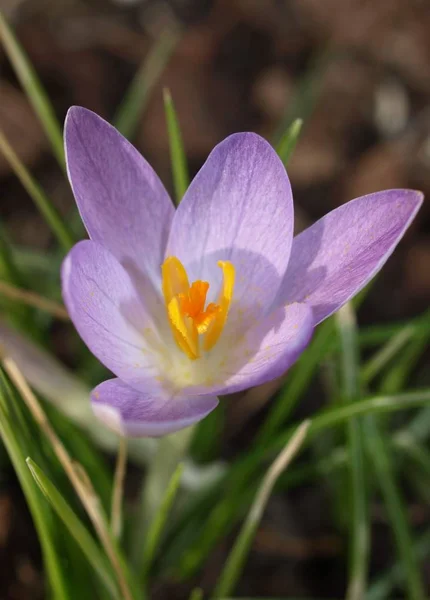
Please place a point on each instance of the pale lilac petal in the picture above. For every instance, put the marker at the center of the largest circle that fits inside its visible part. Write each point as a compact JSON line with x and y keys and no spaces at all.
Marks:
{"x":136,"y":414}
{"x":263,"y":353}
{"x":122,"y":202}
{"x":237,"y":208}
{"x":108,"y":314}
{"x":47,"y":375}
{"x":337,"y":256}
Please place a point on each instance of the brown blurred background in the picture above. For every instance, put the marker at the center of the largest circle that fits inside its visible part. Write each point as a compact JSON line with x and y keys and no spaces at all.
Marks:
{"x":357,"y":72}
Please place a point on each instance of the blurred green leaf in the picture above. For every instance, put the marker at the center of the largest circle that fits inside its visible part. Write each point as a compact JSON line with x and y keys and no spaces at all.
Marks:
{"x":137,"y":96}
{"x":52,"y":217}
{"x":20,"y":315}
{"x":306,"y":94}
{"x":384,"y":472}
{"x":75,"y":527}
{"x":16,"y":446}
{"x":207,"y":439}
{"x":398,"y":375}
{"x":181,"y":178}
{"x":359,"y":518}
{"x":298,"y":380}
{"x":34,"y":89}
{"x":158,"y":522}
{"x":288,"y":141}
{"x":418,"y":333}
{"x":171,"y":450}
{"x":382,"y":588}
{"x":238,"y":554}
{"x":204,"y":524}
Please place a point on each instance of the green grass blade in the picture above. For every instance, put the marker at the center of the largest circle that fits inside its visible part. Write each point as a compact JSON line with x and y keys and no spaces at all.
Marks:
{"x":242,"y":475}
{"x":300,"y":376}
{"x":75,"y":527}
{"x":40,"y":199}
{"x":10,"y":434}
{"x":307,"y":93}
{"x":396,"y":510}
{"x":359,"y":524}
{"x":288,"y":141}
{"x":298,"y":380}
{"x":397,"y":377}
{"x":137,"y":96}
{"x":237,"y":557}
{"x":21,"y":316}
{"x":374,"y":405}
{"x":383,"y":587}
{"x":181,"y":178}
{"x":196,"y":594}
{"x":157,"y":524}
{"x":381,"y":358}
{"x":34,"y":89}
{"x":171,"y":450}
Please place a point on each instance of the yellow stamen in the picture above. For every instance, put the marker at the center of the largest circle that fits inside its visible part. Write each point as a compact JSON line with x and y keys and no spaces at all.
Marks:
{"x":186,"y":310}
{"x":224,"y":301}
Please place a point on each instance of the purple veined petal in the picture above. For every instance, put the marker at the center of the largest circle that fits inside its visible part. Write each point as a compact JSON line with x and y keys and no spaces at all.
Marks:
{"x":108,"y":314}
{"x":122,"y":202}
{"x":337,"y":256}
{"x":136,"y":414}
{"x":263,"y":353}
{"x":238,"y":208}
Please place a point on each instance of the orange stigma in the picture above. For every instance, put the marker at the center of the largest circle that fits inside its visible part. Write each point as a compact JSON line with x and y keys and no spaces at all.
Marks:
{"x":185,"y":304}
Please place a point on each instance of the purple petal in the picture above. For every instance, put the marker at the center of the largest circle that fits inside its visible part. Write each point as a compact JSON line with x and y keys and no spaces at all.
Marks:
{"x":138,"y":414}
{"x":237,"y":208}
{"x":337,"y":256}
{"x":108,"y":314}
{"x":48,"y":376}
{"x":264,"y":352}
{"x":122,"y":202}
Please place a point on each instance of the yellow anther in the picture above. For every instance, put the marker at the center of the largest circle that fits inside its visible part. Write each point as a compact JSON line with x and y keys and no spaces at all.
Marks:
{"x":186,"y":310}
{"x":184,"y":330}
{"x":224,"y":301}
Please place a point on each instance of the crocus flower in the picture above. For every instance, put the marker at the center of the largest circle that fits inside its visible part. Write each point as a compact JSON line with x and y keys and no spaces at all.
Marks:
{"x":213,"y":297}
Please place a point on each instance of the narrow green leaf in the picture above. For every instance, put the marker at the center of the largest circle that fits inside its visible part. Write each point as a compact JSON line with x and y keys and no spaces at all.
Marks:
{"x":396,"y":510}
{"x":158,"y":522}
{"x":323,"y":343}
{"x":137,"y":96}
{"x":178,"y":159}
{"x":396,"y":378}
{"x":187,"y":558}
{"x":307,"y":93}
{"x":22,"y":316}
{"x":196,"y":594}
{"x":288,"y":141}
{"x":382,"y":588}
{"x":298,"y":380}
{"x":237,"y":557}
{"x":170,"y":452}
{"x":381,"y":358}
{"x":14,"y":445}
{"x":207,"y":439}
{"x":359,"y":524}
{"x":34,"y":89}
{"x":52,"y":217}
{"x":375,"y":335}
{"x":75,"y":527}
